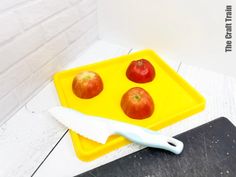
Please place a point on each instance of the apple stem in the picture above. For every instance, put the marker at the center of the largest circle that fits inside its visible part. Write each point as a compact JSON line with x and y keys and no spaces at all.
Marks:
{"x":140,"y":62}
{"x":137,"y":97}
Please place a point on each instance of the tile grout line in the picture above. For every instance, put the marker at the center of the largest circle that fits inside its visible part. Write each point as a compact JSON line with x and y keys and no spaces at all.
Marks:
{"x":49,"y":153}
{"x":179,"y":67}
{"x":18,"y":5}
{"x":130,"y":51}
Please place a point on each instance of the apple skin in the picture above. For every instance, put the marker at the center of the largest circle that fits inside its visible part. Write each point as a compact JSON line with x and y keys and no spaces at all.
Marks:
{"x":87,"y":84}
{"x":140,"y":71}
{"x":137,"y":103}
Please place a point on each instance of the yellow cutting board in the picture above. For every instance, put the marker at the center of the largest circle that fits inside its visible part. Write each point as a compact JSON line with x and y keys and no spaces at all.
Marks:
{"x":173,"y":97}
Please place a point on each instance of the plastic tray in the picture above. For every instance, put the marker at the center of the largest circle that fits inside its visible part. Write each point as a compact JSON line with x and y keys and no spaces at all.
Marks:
{"x":173,"y":97}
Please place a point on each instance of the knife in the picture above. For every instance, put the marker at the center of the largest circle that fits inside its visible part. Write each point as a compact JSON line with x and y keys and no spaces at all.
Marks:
{"x":99,"y":129}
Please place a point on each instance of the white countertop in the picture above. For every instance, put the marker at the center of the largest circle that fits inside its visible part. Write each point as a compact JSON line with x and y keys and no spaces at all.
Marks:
{"x":32,"y":142}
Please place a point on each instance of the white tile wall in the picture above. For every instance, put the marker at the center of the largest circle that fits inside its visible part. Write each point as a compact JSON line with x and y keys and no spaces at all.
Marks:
{"x":32,"y":13}
{"x":6,"y":4}
{"x":79,"y":28}
{"x":18,"y":48}
{"x":60,"y":22}
{"x":7,"y":104}
{"x":11,"y":26}
{"x":14,"y":76}
{"x":48,"y":51}
{"x":54,"y":6}
{"x":38,"y":10}
{"x":37,"y":38}
{"x":86,"y":6}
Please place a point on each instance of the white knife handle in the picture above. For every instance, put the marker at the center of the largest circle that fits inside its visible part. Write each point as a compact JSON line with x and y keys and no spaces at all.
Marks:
{"x":149,"y":138}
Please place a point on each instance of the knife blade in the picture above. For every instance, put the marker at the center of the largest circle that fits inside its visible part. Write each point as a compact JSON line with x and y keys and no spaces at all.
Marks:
{"x":99,"y":129}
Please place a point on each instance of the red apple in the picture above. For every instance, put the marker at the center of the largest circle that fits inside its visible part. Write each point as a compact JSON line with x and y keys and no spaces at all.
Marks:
{"x":87,"y":84}
{"x":137,"y":103}
{"x":140,"y":71}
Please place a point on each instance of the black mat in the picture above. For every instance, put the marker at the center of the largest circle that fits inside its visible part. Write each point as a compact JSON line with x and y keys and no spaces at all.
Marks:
{"x":210,"y":151}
